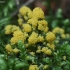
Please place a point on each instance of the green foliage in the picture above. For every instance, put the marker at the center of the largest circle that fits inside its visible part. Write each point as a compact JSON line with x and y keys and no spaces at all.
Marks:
{"x":3,"y":38}
{"x":56,"y":62}
{"x":6,"y":8}
{"x":57,"y":19}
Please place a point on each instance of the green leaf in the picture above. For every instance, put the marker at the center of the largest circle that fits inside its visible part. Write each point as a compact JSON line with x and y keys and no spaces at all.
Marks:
{"x":11,"y":4}
{"x":65,"y":22}
{"x":47,"y":60}
{"x":54,"y":23}
{"x":5,"y":19}
{"x":5,"y":10}
{"x":56,"y":68}
{"x":59,"y":11}
{"x":21,"y":46}
{"x":20,"y":65}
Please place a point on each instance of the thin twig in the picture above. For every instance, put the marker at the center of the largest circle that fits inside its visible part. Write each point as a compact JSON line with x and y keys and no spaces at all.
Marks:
{"x":17,"y":3}
{"x":27,"y":3}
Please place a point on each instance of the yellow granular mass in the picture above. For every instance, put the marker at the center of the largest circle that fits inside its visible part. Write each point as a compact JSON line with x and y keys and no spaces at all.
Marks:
{"x":20,"y":21}
{"x":32,"y":53}
{"x":50,"y":36}
{"x":33,"y":38}
{"x":44,"y":49}
{"x":8,"y":48}
{"x":46,"y":29}
{"x":27,"y":57}
{"x":25,"y":11}
{"x":38,"y":51}
{"x":17,"y":35}
{"x":45,"y":67}
{"x":27,"y":28}
{"x":25,"y":35}
{"x":62,"y":31}
{"x":26,"y":18}
{"x":39,"y":47}
{"x":33,"y":22}
{"x":38,"y":13}
{"x":26,"y":45}
{"x":30,"y":14}
{"x":63,"y":36}
{"x":64,"y":57}
{"x":15,"y":28}
{"x":42,"y":25}
{"x":15,"y":50}
{"x":40,"y":38}
{"x":52,"y":46}
{"x":58,"y":30}
{"x":67,"y":35}
{"x":48,"y":52}
{"x":44,"y":43}
{"x":33,"y":67}
{"x":13,"y":40}
{"x":8,"y":29}
{"x":8,"y":32}
{"x":43,"y":22}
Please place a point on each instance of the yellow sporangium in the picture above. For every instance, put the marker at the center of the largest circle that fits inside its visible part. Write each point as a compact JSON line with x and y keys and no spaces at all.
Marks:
{"x":33,"y":67}
{"x":44,"y":49}
{"x":50,"y":36}
{"x":42,"y":24}
{"x":25,"y":35}
{"x":26,"y":28}
{"x":39,"y":47}
{"x":38,"y":51}
{"x":33,"y":38}
{"x":32,"y":53}
{"x":8,"y":29}
{"x":25,"y":11}
{"x":46,"y":29}
{"x":48,"y":52}
{"x":26,"y":45}
{"x":8,"y":48}
{"x":13,"y":40}
{"x":63,"y":36}
{"x":33,"y":22}
{"x":40,"y":27}
{"x":58,"y":30}
{"x":67,"y":36}
{"x":14,"y":28}
{"x":38,"y":13}
{"x":11,"y":28}
{"x":30,"y":14}
{"x":51,"y":45}
{"x":8,"y":32}
{"x":15,"y":50}
{"x":20,"y":21}
{"x":45,"y":67}
{"x":40,"y":38}
{"x":64,"y":57}
{"x":17,"y":35}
